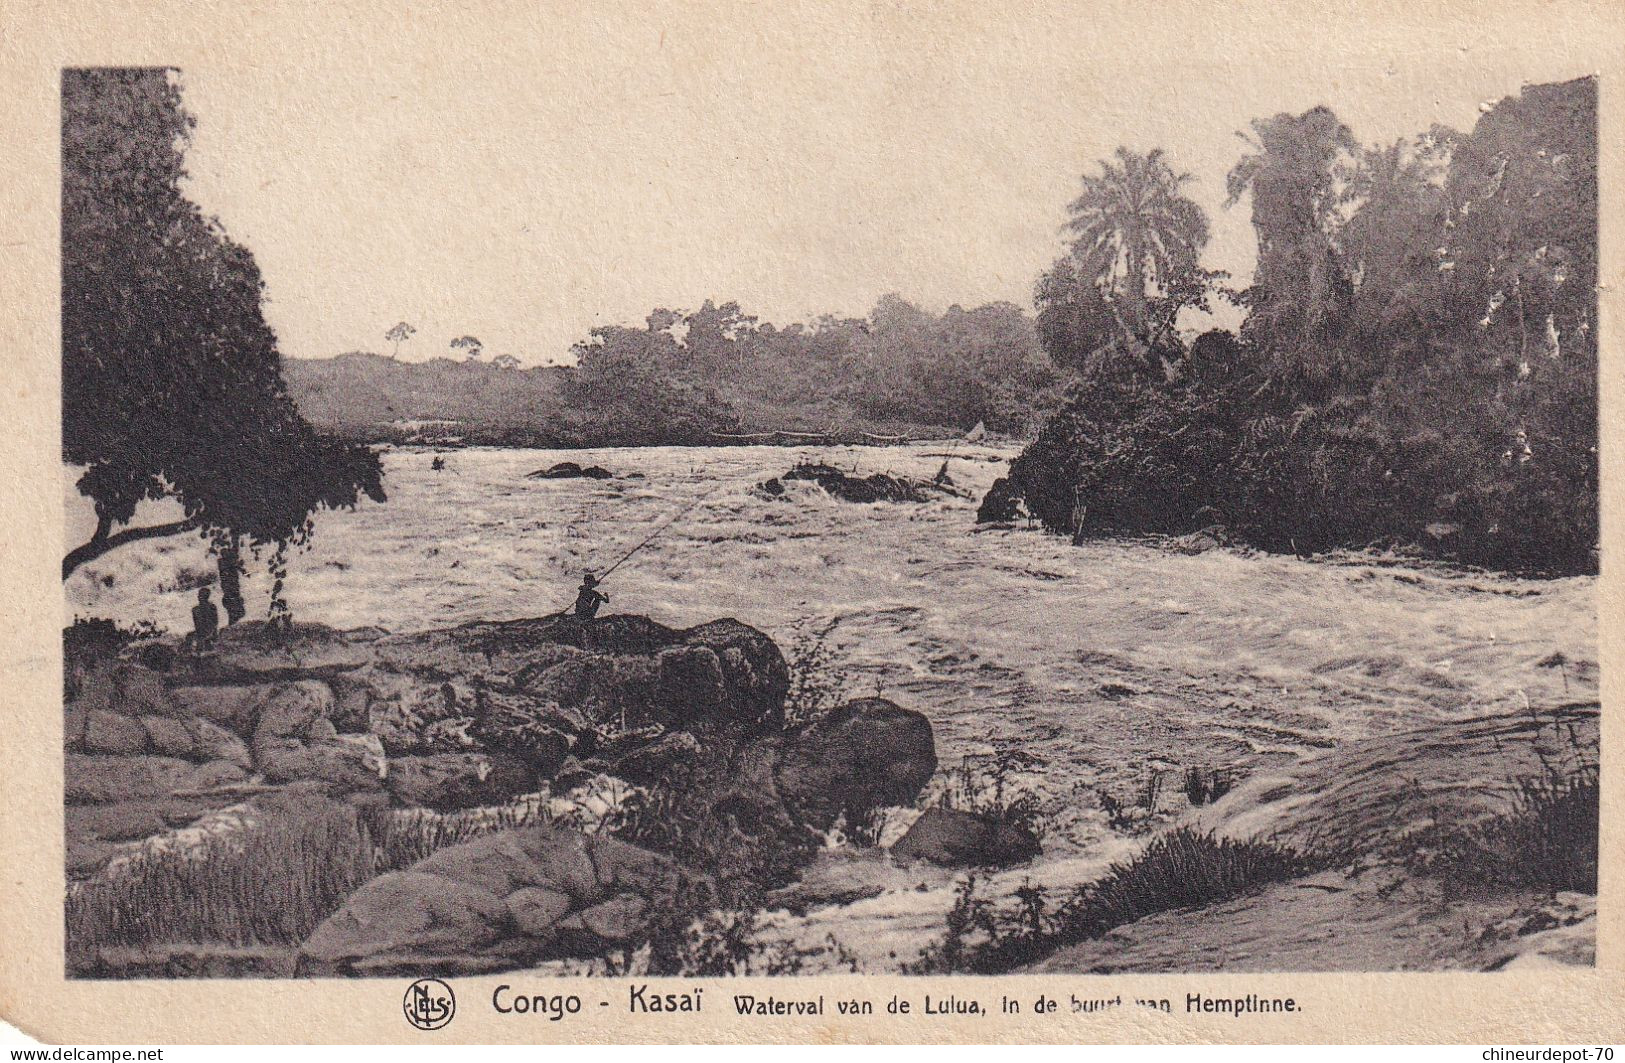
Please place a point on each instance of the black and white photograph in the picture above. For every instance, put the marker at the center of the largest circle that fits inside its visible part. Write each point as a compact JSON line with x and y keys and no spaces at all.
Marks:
{"x":933,"y":501}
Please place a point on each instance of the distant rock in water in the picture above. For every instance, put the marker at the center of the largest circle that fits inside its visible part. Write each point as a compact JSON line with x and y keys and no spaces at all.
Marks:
{"x":877,"y":487}
{"x":569,"y":470}
{"x":1202,"y":540}
{"x":953,"y":838}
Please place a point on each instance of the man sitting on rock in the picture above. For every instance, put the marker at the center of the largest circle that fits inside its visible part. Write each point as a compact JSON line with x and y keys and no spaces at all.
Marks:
{"x":589,"y":598}
{"x":205,"y":620}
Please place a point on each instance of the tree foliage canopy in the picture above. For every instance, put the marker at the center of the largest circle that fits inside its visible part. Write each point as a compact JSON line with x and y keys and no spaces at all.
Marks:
{"x":688,"y":375}
{"x":1132,"y":267}
{"x":1418,"y":364}
{"x":171,"y":382}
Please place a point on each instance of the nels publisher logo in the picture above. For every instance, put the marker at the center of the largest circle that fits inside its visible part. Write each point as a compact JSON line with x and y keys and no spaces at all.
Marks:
{"x":429,"y":1004}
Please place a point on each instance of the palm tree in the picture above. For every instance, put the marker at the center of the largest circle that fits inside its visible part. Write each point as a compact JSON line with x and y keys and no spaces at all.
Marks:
{"x":1300,"y":288}
{"x":1134,"y":232}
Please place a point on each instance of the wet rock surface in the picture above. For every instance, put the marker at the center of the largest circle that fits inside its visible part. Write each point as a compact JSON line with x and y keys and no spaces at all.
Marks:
{"x":952,"y":838}
{"x":850,"y":487}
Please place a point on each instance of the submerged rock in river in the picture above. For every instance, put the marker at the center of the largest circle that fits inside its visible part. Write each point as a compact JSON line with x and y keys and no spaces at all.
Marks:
{"x":569,"y":470}
{"x":850,"y":487}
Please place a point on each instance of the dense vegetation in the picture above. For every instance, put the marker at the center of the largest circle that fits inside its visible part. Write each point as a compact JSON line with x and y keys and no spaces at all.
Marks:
{"x":1417,"y":366}
{"x":171,"y":383}
{"x":704,"y":375}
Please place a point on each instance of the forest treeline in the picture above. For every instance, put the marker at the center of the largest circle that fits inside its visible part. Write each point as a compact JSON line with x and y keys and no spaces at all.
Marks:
{"x":1417,"y":366}
{"x":701,"y":376}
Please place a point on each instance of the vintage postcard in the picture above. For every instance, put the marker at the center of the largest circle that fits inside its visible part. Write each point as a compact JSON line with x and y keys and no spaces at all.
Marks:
{"x":839,"y":521}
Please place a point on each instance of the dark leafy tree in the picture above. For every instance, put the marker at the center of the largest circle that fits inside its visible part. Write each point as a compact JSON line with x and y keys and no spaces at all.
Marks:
{"x":635,"y":386}
{"x":1418,"y":367}
{"x":171,"y":382}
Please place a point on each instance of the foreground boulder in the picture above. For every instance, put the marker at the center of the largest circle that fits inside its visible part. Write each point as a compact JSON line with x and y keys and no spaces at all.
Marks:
{"x":788,"y":790}
{"x":866,"y":754}
{"x":953,"y":838}
{"x":498,"y":902}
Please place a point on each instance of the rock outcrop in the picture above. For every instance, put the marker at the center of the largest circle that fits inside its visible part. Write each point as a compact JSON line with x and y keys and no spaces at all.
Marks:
{"x":475,"y":715}
{"x":866,"y":754}
{"x":686,"y":726}
{"x":848,"y":487}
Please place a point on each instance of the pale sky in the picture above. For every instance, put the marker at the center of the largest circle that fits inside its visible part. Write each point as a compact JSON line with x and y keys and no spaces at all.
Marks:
{"x":528,"y":182}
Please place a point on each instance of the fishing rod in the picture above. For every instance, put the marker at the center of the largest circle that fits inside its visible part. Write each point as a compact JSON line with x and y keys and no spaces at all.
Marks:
{"x":654,"y":534}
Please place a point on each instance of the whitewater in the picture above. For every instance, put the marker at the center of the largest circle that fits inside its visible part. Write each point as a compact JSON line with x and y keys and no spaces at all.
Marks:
{"x":1106,"y":667}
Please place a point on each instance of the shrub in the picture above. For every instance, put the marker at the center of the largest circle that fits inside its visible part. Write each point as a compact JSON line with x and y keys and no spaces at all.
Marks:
{"x":90,"y":637}
{"x":727,"y":942}
{"x":969,"y":937}
{"x":745,"y":860}
{"x":816,"y":686}
{"x":1204,"y":785}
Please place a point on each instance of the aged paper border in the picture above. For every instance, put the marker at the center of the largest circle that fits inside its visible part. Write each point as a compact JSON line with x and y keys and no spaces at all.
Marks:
{"x":37,"y":39}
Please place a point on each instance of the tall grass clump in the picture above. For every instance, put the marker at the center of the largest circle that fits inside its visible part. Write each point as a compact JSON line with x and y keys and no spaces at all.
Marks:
{"x":1180,"y":869}
{"x":270,"y":883}
{"x":1545,"y":837}
{"x":402,"y":837}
